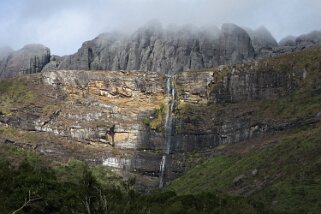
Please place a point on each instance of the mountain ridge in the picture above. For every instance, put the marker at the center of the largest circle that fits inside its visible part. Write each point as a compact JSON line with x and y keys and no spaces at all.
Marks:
{"x":153,"y":48}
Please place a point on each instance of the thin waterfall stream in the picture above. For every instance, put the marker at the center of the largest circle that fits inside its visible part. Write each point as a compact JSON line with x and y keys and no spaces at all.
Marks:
{"x":170,"y":92}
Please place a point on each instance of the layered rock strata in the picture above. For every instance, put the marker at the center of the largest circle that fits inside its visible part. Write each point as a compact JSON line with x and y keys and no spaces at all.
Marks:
{"x":125,"y":113}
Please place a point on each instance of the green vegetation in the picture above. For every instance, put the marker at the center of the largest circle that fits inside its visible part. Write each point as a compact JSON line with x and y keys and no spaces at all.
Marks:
{"x":36,"y":185}
{"x":17,"y":135}
{"x":157,"y":118}
{"x":304,"y":102}
{"x":288,"y":175}
{"x":297,"y":105}
{"x":14,"y":94}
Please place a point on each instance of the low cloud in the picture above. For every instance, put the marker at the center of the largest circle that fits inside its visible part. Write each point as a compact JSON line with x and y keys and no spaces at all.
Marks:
{"x":63,"y":25}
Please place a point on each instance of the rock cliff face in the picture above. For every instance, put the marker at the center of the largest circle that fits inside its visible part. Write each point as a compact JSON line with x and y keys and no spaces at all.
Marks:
{"x":166,"y":51}
{"x":263,"y":42}
{"x":105,"y":107}
{"x":29,"y":59}
{"x":123,"y":115}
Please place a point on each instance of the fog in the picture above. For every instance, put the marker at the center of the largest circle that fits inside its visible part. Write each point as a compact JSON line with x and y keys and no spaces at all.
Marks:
{"x":63,"y":25}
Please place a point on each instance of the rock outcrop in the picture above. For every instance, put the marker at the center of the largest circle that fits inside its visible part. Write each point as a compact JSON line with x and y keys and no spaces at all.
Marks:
{"x":53,"y":64}
{"x":29,"y":59}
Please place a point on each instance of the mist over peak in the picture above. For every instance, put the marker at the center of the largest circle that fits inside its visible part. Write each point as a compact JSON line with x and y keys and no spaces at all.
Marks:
{"x":64,"y":25}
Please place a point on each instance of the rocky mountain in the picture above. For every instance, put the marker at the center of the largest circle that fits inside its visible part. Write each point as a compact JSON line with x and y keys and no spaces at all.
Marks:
{"x":176,"y":49}
{"x":263,"y":42}
{"x":153,"y":48}
{"x":165,"y":115}
{"x":29,"y":59}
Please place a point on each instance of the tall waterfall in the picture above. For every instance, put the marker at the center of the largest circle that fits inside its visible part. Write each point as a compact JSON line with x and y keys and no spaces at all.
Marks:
{"x":170,"y":91}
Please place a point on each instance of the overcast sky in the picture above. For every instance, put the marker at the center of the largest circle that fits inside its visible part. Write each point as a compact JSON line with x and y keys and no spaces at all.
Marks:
{"x":63,"y":25}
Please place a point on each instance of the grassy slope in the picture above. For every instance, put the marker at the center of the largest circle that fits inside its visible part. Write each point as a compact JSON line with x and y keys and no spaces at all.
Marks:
{"x":14,"y":93}
{"x":288,"y":172}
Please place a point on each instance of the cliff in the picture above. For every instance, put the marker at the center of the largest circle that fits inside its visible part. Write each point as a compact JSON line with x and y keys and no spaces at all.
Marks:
{"x":152,"y":48}
{"x":132,"y":120}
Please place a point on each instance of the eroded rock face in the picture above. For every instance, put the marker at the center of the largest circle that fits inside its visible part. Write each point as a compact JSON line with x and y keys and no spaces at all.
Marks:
{"x":29,"y":59}
{"x":152,"y":48}
{"x":102,"y":107}
{"x":235,"y":45}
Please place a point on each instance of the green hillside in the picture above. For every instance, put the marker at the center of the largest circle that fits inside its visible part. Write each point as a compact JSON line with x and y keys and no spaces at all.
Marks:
{"x":282,"y":172}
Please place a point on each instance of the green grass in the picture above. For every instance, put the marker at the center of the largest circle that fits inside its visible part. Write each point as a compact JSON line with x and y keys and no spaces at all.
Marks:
{"x":297,"y":105}
{"x":14,"y":93}
{"x":288,"y":173}
{"x":17,"y":135}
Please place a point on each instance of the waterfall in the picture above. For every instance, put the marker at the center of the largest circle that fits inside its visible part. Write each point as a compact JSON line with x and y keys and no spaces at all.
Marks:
{"x":170,"y":91}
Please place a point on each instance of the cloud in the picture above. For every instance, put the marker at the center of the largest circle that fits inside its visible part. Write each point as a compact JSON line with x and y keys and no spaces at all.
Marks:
{"x":63,"y":25}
